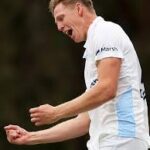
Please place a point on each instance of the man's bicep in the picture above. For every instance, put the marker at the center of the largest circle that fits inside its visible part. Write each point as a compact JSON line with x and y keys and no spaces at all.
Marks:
{"x":109,"y":69}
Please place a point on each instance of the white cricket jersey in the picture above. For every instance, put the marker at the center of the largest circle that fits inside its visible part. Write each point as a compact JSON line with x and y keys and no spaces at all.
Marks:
{"x":126,"y":114}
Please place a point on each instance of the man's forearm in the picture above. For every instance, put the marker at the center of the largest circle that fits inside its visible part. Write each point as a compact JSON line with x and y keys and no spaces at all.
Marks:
{"x":66,"y":130}
{"x":87,"y":101}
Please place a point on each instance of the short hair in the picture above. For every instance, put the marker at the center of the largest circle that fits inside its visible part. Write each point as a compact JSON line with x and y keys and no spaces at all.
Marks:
{"x":54,"y":3}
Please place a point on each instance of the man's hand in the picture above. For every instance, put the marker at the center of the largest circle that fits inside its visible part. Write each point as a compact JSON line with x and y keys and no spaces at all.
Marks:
{"x":16,"y":134}
{"x":44,"y":114}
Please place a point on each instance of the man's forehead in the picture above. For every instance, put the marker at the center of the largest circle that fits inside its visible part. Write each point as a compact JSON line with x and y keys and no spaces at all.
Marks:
{"x":58,"y":9}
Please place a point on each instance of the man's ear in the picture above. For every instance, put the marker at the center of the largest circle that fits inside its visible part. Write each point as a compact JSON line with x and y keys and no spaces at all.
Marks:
{"x":79,"y":9}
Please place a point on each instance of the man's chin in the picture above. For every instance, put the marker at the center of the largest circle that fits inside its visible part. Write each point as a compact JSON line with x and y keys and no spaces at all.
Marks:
{"x":78,"y":40}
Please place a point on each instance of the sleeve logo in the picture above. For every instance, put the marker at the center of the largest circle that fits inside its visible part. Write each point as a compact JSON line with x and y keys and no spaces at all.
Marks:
{"x":106,"y":49}
{"x":93,"y":83}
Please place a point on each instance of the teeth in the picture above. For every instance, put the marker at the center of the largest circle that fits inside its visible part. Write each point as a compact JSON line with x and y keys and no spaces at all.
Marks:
{"x":67,"y":32}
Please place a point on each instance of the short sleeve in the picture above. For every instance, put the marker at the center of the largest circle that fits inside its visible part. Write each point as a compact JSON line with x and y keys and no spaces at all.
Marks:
{"x":108,"y":41}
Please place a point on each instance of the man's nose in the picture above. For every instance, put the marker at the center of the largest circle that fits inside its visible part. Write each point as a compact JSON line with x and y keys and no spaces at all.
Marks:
{"x":60,"y":27}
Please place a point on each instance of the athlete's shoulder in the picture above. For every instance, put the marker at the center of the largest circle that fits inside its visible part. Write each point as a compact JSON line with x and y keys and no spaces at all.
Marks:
{"x":108,"y":27}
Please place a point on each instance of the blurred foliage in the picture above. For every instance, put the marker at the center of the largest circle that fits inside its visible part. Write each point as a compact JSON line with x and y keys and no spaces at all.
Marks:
{"x":39,"y":65}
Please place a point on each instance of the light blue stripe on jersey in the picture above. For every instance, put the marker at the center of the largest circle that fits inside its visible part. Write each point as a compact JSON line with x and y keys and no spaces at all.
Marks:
{"x":125,"y":114}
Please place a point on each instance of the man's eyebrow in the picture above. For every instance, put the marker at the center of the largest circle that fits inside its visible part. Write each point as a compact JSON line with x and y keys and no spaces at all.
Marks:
{"x":59,"y":16}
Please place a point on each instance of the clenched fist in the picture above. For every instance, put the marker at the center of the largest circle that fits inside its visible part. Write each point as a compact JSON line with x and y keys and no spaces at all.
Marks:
{"x":16,"y":135}
{"x":44,"y":114}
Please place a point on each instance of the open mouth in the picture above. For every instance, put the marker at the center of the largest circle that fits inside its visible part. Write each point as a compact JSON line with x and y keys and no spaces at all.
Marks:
{"x":69,"y":32}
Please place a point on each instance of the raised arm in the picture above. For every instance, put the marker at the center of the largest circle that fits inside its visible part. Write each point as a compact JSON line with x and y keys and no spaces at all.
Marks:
{"x":66,"y":130}
{"x":104,"y":90}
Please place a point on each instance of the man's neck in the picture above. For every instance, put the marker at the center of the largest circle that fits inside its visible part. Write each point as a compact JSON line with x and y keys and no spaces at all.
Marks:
{"x":89,"y":18}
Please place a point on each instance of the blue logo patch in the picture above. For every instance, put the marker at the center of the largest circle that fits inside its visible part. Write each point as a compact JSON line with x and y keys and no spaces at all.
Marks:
{"x":109,"y":49}
{"x":93,"y":83}
{"x":97,"y":52}
{"x":106,"y":49}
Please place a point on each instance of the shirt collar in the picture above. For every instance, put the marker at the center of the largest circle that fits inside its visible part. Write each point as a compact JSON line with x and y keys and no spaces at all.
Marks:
{"x":93,"y":24}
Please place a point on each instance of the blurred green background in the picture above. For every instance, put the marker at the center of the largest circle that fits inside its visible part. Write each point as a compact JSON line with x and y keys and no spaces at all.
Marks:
{"x":39,"y":65}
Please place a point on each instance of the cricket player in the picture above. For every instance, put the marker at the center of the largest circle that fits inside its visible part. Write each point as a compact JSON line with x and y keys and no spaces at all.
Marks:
{"x":113,"y":108}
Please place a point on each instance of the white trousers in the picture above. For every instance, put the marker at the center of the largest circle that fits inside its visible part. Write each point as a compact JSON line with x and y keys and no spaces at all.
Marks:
{"x":120,"y":143}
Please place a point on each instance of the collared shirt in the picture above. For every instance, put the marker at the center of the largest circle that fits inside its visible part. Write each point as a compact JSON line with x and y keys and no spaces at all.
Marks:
{"x":126,"y":114}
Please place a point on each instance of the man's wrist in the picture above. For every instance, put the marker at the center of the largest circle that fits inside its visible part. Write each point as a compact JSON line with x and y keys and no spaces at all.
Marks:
{"x":58,"y":113}
{"x":33,"y":138}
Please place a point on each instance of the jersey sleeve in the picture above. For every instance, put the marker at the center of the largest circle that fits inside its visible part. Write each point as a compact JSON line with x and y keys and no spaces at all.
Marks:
{"x":109,"y":43}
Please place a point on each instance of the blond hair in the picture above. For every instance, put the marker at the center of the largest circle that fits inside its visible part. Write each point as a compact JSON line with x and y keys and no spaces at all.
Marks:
{"x":54,"y":3}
